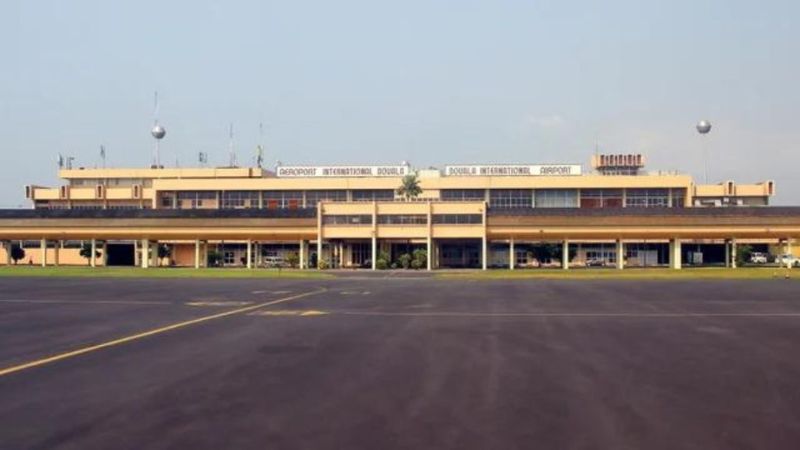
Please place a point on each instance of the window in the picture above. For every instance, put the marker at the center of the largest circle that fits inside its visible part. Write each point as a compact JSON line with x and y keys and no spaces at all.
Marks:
{"x":239,"y":199}
{"x":196,"y":199}
{"x":647,"y":198}
{"x":342,"y":219}
{"x":368,"y":195}
{"x":314,"y":197}
{"x":457,"y":219}
{"x":463,"y":195}
{"x":283,"y":199}
{"x":601,"y":198}
{"x":511,"y":198}
{"x":678,"y":198}
{"x":556,"y":198}
{"x":403,"y":219}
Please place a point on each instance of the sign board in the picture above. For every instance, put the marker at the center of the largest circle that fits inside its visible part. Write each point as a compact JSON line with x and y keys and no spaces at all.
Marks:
{"x":341,"y":171}
{"x":513,"y":170}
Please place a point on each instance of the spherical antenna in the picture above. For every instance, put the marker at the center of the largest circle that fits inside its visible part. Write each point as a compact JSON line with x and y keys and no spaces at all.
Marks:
{"x":158,"y":132}
{"x":703,"y":127}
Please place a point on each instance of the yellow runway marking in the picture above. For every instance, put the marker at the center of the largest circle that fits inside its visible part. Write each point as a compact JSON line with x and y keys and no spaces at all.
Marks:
{"x":217,"y":303}
{"x":287,"y":312}
{"x":54,"y":358}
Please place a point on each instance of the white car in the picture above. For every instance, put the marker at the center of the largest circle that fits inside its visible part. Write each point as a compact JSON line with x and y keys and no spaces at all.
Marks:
{"x":788,"y":260}
{"x":758,"y":258}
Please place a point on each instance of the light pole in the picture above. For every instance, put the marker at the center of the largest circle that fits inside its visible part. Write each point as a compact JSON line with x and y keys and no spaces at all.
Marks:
{"x":704,"y":127}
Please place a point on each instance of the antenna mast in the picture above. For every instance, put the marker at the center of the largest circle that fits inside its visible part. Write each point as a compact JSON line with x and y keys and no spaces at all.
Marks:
{"x":231,"y":153}
{"x":158,"y":132}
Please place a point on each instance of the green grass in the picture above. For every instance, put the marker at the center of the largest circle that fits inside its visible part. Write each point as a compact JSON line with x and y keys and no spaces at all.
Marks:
{"x":135,"y":272}
{"x":699,"y":273}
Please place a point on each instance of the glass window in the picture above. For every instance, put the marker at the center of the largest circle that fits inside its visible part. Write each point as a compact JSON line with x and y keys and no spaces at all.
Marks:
{"x":511,"y":198}
{"x":239,"y":199}
{"x":346,"y":219}
{"x":463,"y":195}
{"x":647,"y":198}
{"x":284,"y":199}
{"x":458,"y":219}
{"x":368,"y":195}
{"x":601,"y":198}
{"x":403,"y":219}
{"x":556,"y":198}
{"x":314,"y":197}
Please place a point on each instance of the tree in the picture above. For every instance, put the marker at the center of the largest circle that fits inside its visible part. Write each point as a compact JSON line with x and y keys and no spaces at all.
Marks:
{"x":86,"y":252}
{"x":420,"y":259}
{"x":405,"y":260}
{"x":409,"y":187}
{"x":17,"y":253}
{"x":293,"y":259}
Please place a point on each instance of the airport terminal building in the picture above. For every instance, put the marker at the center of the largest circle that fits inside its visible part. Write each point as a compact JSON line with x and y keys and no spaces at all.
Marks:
{"x":612,"y":213}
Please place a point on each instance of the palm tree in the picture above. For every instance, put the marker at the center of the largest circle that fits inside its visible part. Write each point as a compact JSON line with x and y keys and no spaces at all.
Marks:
{"x":409,"y":187}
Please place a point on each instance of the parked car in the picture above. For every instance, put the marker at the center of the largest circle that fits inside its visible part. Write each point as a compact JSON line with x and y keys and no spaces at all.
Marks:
{"x":788,"y":260}
{"x":758,"y":258}
{"x":595,"y":262}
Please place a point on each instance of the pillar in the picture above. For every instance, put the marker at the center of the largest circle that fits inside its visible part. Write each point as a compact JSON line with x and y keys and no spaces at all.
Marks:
{"x":733,"y":253}
{"x":43,"y":248}
{"x":484,"y":253}
{"x":429,"y":253}
{"x":511,"y":256}
{"x":205,"y":254}
{"x":197,"y":254}
{"x":620,"y":254}
{"x":249,"y":254}
{"x":136,"y":257}
{"x":374,"y":258}
{"x":155,"y":261}
{"x":104,"y":257}
{"x":56,"y":251}
{"x":565,"y":254}
{"x":92,"y":256}
{"x":675,"y":253}
{"x":341,"y":255}
{"x":145,"y":257}
{"x":727,"y":253}
{"x":319,"y":251}
{"x":8,"y":246}
{"x":302,"y":254}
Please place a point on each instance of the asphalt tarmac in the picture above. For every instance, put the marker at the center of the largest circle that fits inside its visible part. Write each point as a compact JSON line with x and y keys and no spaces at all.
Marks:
{"x":401,"y":363}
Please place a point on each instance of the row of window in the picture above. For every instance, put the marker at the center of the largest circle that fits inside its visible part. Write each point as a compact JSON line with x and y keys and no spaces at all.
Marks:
{"x":498,"y":198}
{"x":403,"y":219}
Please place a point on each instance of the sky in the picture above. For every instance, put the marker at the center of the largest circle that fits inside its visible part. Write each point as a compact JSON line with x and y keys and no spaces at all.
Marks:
{"x":431,"y":82}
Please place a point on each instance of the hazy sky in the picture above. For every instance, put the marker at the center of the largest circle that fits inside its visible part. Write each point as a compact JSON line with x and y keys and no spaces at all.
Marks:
{"x":431,"y":82}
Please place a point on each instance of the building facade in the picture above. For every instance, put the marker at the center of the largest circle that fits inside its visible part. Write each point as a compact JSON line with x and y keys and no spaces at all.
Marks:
{"x":466,"y":216}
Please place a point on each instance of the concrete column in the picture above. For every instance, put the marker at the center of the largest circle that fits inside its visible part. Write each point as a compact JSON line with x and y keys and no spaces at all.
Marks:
{"x":341,"y":255}
{"x":511,"y":256}
{"x":565,"y":254}
{"x":788,"y":247}
{"x":374,"y":258}
{"x":249,"y":254}
{"x":205,"y":254}
{"x":727,"y":253}
{"x":43,"y":248}
{"x":302,"y":254}
{"x":155,"y":262}
{"x":197,"y":254}
{"x":93,"y":256}
{"x":7,"y":245}
{"x":733,"y":253}
{"x":484,"y":253}
{"x":319,"y":251}
{"x":620,"y":254}
{"x":136,"y":257}
{"x":145,"y":256}
{"x":429,"y":253}
{"x":675,"y":253}
{"x":105,"y":254}
{"x":56,"y":251}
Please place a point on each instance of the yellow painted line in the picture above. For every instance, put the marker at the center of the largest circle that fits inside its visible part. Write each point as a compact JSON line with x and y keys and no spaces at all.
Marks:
{"x":93,"y":348}
{"x":217,"y":303}
{"x":288,"y":312}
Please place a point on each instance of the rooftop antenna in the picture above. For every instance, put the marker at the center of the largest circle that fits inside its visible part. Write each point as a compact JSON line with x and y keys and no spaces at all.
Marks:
{"x":202,"y":158}
{"x":103,"y":155}
{"x":60,"y":161}
{"x":231,"y":153}
{"x":260,"y":147}
{"x":158,"y":133}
